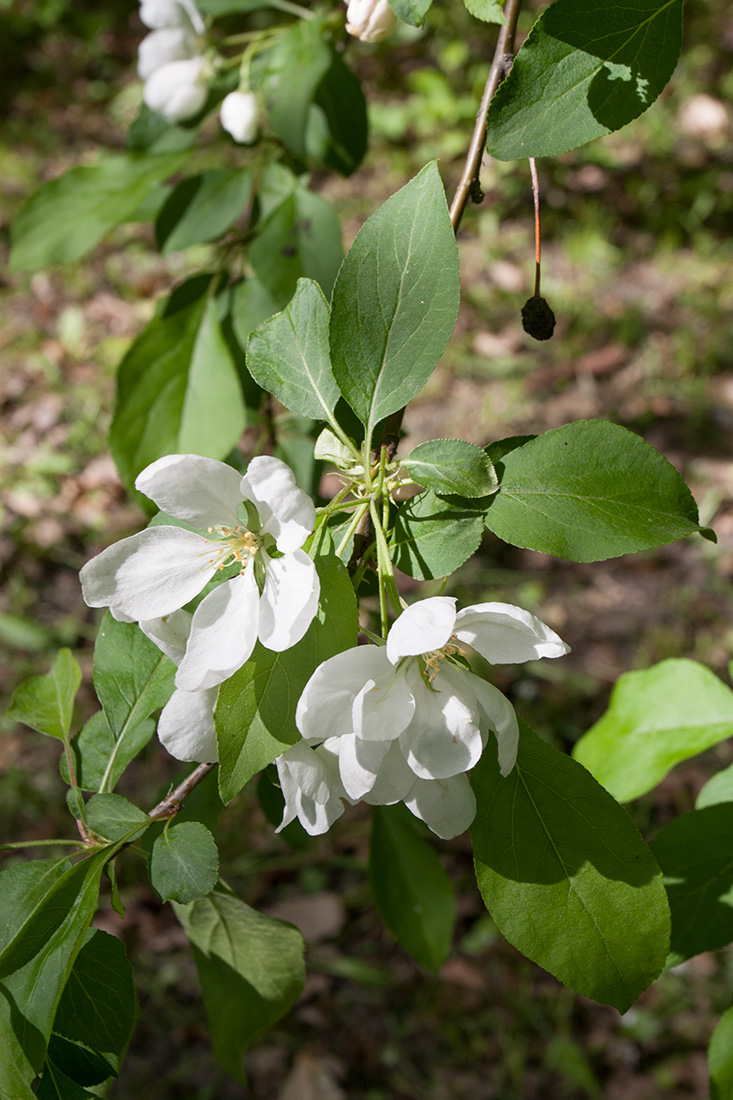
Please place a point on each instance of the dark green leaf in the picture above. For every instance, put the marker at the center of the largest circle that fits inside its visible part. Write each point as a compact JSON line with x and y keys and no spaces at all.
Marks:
{"x":288,"y":354}
{"x":336,"y":129}
{"x":98,"y":758}
{"x":293,"y":70}
{"x":65,"y":218}
{"x":413,"y":893}
{"x":46,"y":703}
{"x":656,"y":718}
{"x":99,"y":1005}
{"x":566,"y":876}
{"x":202,"y":208}
{"x":587,"y":68}
{"x":255,"y":710}
{"x":112,"y":817}
{"x":695,"y":852}
{"x":177,"y":393}
{"x":589,"y":491}
{"x":149,"y":132}
{"x":55,"y":1085}
{"x":434,"y":536}
{"x":452,"y":466}
{"x":720,"y":1058}
{"x":250,"y":967}
{"x":78,"y":1063}
{"x":395,"y":300}
{"x":490,"y":11}
{"x":411,"y":11}
{"x":184,"y":864}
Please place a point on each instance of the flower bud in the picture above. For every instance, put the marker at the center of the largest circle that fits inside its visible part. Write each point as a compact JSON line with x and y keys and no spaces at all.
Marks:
{"x":171,"y":13}
{"x":178,"y":89}
{"x":160,"y":47}
{"x":370,"y":20}
{"x":239,"y":116}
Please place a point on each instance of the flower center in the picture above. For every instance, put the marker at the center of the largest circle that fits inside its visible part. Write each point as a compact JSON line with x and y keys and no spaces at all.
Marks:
{"x":432,"y":660}
{"x":232,"y":544}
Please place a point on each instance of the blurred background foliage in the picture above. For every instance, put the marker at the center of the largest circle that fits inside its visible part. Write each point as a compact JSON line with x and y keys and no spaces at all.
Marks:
{"x":638,"y":265}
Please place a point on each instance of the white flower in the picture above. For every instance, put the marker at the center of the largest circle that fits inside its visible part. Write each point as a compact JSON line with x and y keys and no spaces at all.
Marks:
{"x":178,"y":89}
{"x":160,"y":47}
{"x":159,"y":570}
{"x":370,"y":20}
{"x":171,"y":13}
{"x":239,"y":116}
{"x":186,"y":724}
{"x":310,"y":784}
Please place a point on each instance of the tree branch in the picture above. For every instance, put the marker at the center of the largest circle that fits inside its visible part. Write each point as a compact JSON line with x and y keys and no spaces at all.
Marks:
{"x":172,"y":803}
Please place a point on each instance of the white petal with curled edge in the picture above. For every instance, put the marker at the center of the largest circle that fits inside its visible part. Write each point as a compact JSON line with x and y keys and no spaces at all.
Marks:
{"x":384,"y":707}
{"x":170,"y":633}
{"x":444,"y":738}
{"x":149,"y":574}
{"x":421,"y":628}
{"x":223,"y":633}
{"x":186,"y":726}
{"x":507,"y":635}
{"x":359,"y":762}
{"x":310,"y":773}
{"x":287,"y":513}
{"x":289,"y":599}
{"x":201,"y":491}
{"x":394,"y":781}
{"x":324,"y":707}
{"x":498,"y":713}
{"x":311,"y":787}
{"x":447,"y":806}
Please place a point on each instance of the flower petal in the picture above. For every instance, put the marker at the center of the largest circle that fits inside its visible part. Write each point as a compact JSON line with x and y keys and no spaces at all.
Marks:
{"x":186,"y":725}
{"x":447,"y":806}
{"x":170,"y":633}
{"x":223,"y":633}
{"x":201,"y":491}
{"x":507,"y":635}
{"x":498,"y":713}
{"x":287,"y":513}
{"x":289,"y":599}
{"x":394,"y":781}
{"x":359,"y":762}
{"x":147,"y":575}
{"x":324,"y":708}
{"x":384,"y":707}
{"x":311,"y":786}
{"x":421,"y":628}
{"x":444,"y":738}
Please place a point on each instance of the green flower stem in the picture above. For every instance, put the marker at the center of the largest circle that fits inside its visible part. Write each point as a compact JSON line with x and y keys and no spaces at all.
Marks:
{"x":356,"y":520}
{"x":43,"y":844}
{"x":292,"y":9}
{"x":387,"y":584}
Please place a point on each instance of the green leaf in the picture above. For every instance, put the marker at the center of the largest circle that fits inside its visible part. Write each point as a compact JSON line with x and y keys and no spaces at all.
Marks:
{"x":587,"y":68}
{"x":716,"y":790}
{"x":720,"y":1058}
{"x":411,"y":11}
{"x":414,"y":895}
{"x":112,"y":817}
{"x":288,"y":355}
{"x":65,"y":218}
{"x":255,"y":710}
{"x":293,"y":70}
{"x":566,"y":876}
{"x":55,"y":1085}
{"x":46,"y":703}
{"x":301,"y":236}
{"x":251,"y":304}
{"x":250,"y":967}
{"x":184,"y":863}
{"x":434,"y":536}
{"x":336,"y":128}
{"x":395,"y":300}
{"x":589,"y":491}
{"x":132,"y":678}
{"x":656,"y":718}
{"x":202,"y":208}
{"x":217,"y":8}
{"x":452,"y":466}
{"x":98,"y":758}
{"x":490,"y":11}
{"x":177,"y":393}
{"x":695,"y":852}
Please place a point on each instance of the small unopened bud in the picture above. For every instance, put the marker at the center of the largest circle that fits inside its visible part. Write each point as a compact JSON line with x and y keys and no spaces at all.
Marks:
{"x":178,"y":90}
{"x":239,"y":116}
{"x":160,"y":47}
{"x":538,"y":320}
{"x":171,"y":13}
{"x":370,"y":20}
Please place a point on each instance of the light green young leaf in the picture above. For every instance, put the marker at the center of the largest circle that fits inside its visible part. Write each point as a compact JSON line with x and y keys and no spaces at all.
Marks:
{"x":656,"y":718}
{"x":178,"y":392}
{"x":414,"y":895}
{"x":250,"y":967}
{"x":112,"y":817}
{"x":587,"y":68}
{"x":720,"y":1058}
{"x":46,"y":703}
{"x":411,"y":11}
{"x":716,"y":790}
{"x":452,"y":466}
{"x":434,"y":536}
{"x":184,"y":863}
{"x":100,"y":759}
{"x":490,"y":11}
{"x":566,"y":876}
{"x":288,"y":355}
{"x":65,"y":218}
{"x":395,"y":300}
{"x":589,"y":491}
{"x":695,"y":852}
{"x":202,"y":208}
{"x":255,"y":710}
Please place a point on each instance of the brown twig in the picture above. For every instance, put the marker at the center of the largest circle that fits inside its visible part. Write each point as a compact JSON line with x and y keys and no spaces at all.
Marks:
{"x":172,"y":803}
{"x":537,"y":247}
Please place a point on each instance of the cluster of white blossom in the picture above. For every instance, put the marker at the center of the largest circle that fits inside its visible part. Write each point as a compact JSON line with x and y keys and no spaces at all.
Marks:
{"x":370,"y":20}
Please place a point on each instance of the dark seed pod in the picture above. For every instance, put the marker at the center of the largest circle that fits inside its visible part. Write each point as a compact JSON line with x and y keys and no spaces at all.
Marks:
{"x":538,"y":320}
